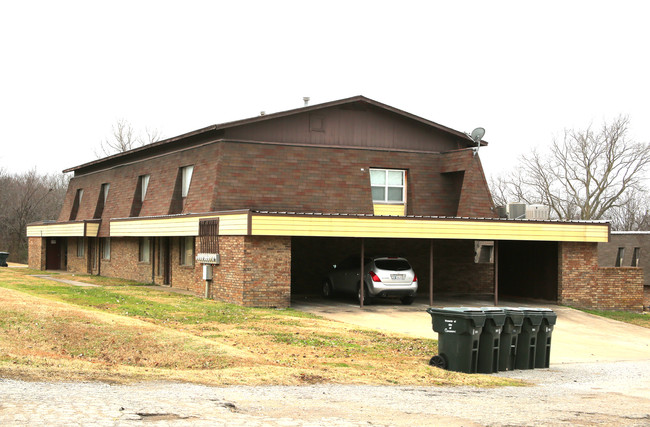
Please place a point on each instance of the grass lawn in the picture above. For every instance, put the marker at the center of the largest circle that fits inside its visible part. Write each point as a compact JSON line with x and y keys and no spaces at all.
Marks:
{"x":123,"y":331}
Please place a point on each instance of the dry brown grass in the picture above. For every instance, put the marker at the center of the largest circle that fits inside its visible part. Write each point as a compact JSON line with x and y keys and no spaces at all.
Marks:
{"x":44,"y":338}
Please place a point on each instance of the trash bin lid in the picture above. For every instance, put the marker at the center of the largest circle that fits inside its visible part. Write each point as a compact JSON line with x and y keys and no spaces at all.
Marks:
{"x":534,"y":314}
{"x":476,"y":315}
{"x":498,"y":315}
{"x":547,"y":314}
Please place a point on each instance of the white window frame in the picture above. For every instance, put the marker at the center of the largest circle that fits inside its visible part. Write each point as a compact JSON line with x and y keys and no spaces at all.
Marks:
{"x":186,"y":253}
{"x":106,"y":248}
{"x":144,"y":255}
{"x":81,"y":247}
{"x":105,"y":188}
{"x":145,"y":186}
{"x":186,"y":179}
{"x":386,"y":186}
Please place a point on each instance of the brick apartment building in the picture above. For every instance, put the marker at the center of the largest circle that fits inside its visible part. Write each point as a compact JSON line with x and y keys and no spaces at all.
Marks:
{"x":271,"y":202}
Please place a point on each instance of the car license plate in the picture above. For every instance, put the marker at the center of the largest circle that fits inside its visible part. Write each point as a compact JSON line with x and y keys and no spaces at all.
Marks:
{"x":397,"y":276}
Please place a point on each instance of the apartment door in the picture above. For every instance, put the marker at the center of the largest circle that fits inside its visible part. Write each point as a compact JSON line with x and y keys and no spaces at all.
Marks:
{"x":53,"y":253}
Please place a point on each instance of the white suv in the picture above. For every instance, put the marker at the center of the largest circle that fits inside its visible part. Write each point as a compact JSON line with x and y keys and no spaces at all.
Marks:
{"x":383,"y":277}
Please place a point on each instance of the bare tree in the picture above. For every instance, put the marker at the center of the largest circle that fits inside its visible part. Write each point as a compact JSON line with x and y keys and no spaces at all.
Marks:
{"x":586,"y":175}
{"x":125,"y":139}
{"x":634,"y":215}
{"x":26,"y":198}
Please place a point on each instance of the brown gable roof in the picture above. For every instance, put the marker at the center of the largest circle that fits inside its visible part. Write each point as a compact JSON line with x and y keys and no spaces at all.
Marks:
{"x":347,"y":101}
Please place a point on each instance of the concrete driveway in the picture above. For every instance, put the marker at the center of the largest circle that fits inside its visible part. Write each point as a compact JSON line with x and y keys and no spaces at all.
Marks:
{"x":577,"y":338}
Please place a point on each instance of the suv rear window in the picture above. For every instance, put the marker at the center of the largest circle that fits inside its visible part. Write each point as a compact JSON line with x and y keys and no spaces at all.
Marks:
{"x":392,"y":264}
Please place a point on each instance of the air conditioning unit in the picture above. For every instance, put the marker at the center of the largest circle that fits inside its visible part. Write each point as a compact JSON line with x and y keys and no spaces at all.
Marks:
{"x":538,"y":212}
{"x":516,"y":210}
{"x":502,"y":211}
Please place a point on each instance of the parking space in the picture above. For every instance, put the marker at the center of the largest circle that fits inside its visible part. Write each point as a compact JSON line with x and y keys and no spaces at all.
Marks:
{"x":578,"y":337}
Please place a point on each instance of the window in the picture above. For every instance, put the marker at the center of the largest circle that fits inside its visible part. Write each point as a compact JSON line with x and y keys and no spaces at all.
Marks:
{"x":139,"y":195}
{"x":106,"y":248}
{"x":619,"y":257}
{"x":105,"y":188}
{"x":187,"y":178}
{"x":483,"y":252}
{"x":387,"y":185}
{"x":75,"y":205}
{"x":635,"y":257}
{"x":101,"y":201}
{"x":187,"y":250}
{"x":145,"y":249}
{"x":80,"y":247}
{"x":144,"y":184}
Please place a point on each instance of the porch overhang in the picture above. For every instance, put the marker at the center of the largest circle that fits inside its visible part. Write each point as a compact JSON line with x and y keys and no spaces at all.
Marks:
{"x":231,"y":223}
{"x":86,"y":228}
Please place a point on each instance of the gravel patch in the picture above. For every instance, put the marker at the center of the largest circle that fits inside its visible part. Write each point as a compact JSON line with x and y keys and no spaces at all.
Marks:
{"x":570,"y":394}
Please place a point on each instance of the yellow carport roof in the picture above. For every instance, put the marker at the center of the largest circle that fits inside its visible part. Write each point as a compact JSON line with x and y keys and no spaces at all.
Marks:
{"x":264,"y":223}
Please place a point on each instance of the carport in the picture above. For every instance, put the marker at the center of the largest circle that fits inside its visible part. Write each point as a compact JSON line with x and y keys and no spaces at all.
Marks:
{"x":448,"y":254}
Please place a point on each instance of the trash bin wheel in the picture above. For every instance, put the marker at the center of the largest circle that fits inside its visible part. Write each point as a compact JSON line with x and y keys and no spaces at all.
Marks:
{"x":438,"y":361}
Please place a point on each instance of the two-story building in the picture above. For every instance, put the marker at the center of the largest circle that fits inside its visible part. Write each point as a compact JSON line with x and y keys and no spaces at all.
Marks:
{"x":273,"y":201}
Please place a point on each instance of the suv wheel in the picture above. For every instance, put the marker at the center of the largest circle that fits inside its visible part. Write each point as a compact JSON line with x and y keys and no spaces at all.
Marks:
{"x":367,"y":299}
{"x":327,"y":289}
{"x":407,"y":300}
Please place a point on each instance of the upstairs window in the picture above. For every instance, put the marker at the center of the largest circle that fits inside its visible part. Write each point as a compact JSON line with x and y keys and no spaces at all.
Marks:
{"x":619,"y":257}
{"x":75,"y":205}
{"x":101,"y":201}
{"x":635,"y":257}
{"x":387,"y":185}
{"x":144,"y":185}
{"x":186,"y":173}
{"x":181,"y":189}
{"x":140,"y":194}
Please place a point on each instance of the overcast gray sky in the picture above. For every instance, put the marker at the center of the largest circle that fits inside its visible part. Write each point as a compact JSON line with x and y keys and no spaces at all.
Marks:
{"x":522,"y":70}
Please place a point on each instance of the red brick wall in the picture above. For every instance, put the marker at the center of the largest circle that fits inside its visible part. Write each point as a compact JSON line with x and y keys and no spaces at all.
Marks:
{"x":36,"y":250}
{"x":230,"y":175}
{"x":125,"y":262}
{"x":329,"y":180}
{"x":124,"y":179}
{"x":267,"y":272}
{"x":584,"y":284}
{"x":77,"y":264}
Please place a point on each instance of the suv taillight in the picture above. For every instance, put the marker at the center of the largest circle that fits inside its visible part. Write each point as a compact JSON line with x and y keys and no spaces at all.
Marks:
{"x":415,"y":278}
{"x":374,"y":277}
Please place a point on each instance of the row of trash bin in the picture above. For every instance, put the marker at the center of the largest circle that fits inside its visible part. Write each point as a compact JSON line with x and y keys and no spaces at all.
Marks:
{"x":492,"y":339}
{"x":3,"y":259}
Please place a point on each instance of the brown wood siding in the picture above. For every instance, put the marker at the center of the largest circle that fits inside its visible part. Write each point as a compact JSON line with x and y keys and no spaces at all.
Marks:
{"x":369,"y":128}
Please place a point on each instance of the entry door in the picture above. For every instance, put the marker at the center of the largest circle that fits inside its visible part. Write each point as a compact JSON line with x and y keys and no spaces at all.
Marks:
{"x":53,"y":254}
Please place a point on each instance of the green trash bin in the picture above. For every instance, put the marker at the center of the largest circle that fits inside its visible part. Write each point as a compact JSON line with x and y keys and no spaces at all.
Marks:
{"x":459,"y":331}
{"x":509,"y":336}
{"x":3,"y":259}
{"x":489,"y":343}
{"x":527,"y":341}
{"x":543,"y":352}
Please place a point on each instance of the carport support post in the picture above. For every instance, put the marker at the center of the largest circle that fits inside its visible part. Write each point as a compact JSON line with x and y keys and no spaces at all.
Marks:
{"x":431,"y":273}
{"x":496,"y":272}
{"x":361,"y":284}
